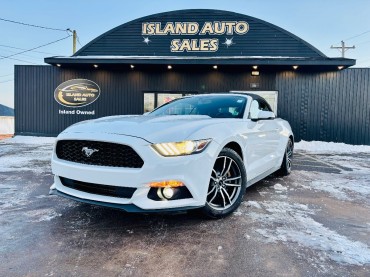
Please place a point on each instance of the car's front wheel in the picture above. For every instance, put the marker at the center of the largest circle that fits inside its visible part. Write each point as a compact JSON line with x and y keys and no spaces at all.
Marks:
{"x":286,"y":165}
{"x":227,"y":185}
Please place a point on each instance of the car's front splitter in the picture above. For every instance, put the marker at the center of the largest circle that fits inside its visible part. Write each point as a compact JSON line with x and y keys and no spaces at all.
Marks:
{"x":131,"y":208}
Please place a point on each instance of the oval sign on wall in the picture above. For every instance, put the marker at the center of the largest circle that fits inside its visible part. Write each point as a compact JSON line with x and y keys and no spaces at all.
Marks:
{"x":77,"y":93}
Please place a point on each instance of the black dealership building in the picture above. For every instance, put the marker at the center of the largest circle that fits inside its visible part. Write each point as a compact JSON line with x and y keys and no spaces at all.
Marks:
{"x":144,"y":63}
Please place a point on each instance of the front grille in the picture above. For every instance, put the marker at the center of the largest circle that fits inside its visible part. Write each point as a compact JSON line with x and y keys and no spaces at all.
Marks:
{"x":105,"y":190}
{"x":105,"y":153}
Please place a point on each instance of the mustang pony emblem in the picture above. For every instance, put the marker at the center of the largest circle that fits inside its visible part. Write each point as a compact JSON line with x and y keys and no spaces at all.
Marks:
{"x":88,"y":151}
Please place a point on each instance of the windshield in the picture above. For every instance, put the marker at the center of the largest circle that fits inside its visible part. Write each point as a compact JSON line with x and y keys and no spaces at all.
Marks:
{"x":217,"y":106}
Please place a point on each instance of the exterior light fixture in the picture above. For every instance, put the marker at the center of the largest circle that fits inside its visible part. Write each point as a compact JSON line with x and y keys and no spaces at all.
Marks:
{"x":255,"y":73}
{"x":58,"y":65}
{"x":169,"y":66}
{"x":132,"y":66}
{"x":255,"y":67}
{"x":168,"y":192}
{"x":96,"y":66}
{"x":340,"y":67}
{"x":295,"y":67}
{"x":215,"y":67}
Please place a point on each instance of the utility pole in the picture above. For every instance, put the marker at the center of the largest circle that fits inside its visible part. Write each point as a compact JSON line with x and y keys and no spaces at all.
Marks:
{"x":74,"y":40}
{"x":343,"y":48}
{"x":74,"y":37}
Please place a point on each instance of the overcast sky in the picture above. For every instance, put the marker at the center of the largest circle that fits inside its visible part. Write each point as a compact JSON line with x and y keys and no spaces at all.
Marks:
{"x":322,"y":23}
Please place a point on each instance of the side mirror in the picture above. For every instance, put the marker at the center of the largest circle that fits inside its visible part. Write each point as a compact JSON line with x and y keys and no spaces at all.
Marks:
{"x":266,"y":115}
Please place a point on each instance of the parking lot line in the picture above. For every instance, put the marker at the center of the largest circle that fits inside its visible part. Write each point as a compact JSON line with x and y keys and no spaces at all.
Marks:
{"x":323,"y":162}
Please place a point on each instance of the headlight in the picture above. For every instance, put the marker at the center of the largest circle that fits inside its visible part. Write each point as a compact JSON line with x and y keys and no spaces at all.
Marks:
{"x":186,"y":147}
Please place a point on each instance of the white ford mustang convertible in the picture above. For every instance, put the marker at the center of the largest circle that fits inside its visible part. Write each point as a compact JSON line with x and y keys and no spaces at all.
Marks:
{"x":194,"y":152}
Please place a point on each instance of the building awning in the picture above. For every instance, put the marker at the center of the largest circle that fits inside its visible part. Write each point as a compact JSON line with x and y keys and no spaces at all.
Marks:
{"x":322,"y":62}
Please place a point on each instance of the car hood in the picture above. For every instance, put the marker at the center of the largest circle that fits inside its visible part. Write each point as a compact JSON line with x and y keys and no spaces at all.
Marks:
{"x":153,"y":129}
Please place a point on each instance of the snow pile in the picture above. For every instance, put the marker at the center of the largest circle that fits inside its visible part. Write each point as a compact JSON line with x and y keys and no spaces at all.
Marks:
{"x":280,"y":187}
{"x":330,"y":147}
{"x":29,"y":140}
{"x":292,"y":223}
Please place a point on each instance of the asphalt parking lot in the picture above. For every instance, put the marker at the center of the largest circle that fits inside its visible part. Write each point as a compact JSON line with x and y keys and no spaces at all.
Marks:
{"x":315,"y":222}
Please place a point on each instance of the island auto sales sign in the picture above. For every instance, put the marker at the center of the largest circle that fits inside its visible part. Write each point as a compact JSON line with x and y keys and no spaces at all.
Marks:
{"x":213,"y":30}
{"x":76,"y":93}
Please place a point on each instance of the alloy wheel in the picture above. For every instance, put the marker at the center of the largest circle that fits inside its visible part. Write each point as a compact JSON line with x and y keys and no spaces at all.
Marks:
{"x":289,"y":155}
{"x":225,"y":183}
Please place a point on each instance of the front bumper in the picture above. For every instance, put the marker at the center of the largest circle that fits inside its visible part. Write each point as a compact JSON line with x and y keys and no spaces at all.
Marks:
{"x":131,"y":208}
{"x":193,"y":170}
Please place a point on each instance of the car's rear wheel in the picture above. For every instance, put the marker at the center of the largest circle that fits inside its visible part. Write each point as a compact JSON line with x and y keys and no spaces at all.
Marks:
{"x":226,"y":185}
{"x":286,"y":165}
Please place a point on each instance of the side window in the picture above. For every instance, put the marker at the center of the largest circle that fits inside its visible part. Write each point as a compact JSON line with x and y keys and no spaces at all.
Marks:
{"x":264,"y":106}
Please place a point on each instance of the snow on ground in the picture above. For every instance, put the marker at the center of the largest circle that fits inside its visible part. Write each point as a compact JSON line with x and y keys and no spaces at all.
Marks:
{"x":348,"y":185}
{"x":22,"y":161}
{"x":25,"y":153}
{"x":41,"y":215}
{"x":29,"y":140}
{"x":22,"y":158}
{"x":282,"y":220}
{"x":293,"y":223}
{"x":329,"y":147}
{"x":345,"y":186}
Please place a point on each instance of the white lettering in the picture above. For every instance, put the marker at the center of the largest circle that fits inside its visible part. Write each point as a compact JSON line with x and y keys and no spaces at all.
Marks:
{"x":77,"y":112}
{"x":189,"y":45}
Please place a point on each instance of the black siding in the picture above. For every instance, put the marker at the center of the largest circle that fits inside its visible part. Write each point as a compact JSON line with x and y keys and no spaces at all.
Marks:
{"x":332,"y":106}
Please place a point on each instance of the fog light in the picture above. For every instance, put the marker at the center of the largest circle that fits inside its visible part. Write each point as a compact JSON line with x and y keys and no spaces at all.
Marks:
{"x":165,"y":193}
{"x":168,"y":192}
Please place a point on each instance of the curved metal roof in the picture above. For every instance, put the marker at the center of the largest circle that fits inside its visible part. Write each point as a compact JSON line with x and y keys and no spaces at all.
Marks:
{"x":263,"y":43}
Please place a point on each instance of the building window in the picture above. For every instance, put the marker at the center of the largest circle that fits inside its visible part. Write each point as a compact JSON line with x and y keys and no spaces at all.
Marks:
{"x":153,"y":100}
{"x":270,"y":96}
{"x":149,"y":104}
{"x":163,"y":98}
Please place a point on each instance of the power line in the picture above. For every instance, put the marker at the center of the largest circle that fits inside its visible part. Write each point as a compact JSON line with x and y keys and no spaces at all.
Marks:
{"x":7,"y":46}
{"x":5,"y":57}
{"x":363,"y":42}
{"x":6,"y":75}
{"x":357,"y":35}
{"x":5,"y":52}
{"x":32,"y":25}
{"x":6,"y":81}
{"x":78,"y":40}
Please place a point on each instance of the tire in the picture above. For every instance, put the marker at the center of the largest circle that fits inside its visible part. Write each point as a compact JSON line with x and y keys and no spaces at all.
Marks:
{"x":227,"y":185}
{"x":286,"y":165}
